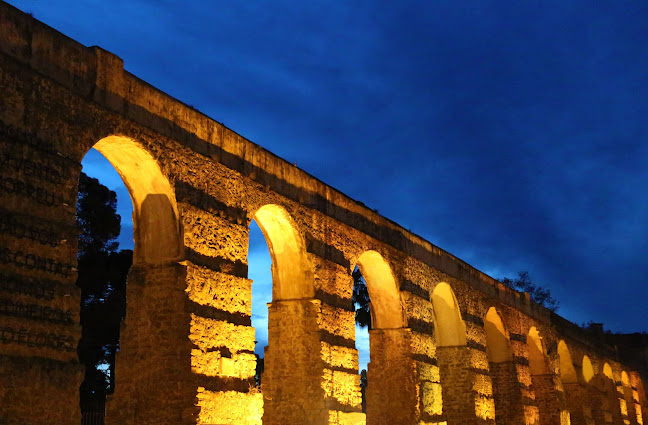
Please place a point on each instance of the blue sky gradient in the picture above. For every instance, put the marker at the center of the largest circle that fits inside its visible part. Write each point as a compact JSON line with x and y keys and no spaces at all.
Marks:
{"x":511,"y":134}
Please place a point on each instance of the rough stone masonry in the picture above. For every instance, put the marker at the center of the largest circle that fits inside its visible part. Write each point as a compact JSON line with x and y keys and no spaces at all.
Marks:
{"x":450,"y":345}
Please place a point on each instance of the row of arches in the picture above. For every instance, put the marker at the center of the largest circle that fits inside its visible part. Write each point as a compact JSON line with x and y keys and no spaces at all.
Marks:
{"x":159,"y":241}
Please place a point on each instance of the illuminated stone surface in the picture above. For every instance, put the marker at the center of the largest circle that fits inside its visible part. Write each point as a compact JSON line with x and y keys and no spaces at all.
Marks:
{"x":449,"y":346}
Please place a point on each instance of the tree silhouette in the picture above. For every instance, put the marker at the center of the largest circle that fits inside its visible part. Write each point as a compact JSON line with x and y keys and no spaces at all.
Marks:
{"x":360,"y":300}
{"x":362,"y":304}
{"x":102,"y":272}
{"x":538,"y":294}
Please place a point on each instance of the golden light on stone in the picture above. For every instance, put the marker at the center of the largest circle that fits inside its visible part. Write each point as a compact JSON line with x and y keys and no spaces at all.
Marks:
{"x":229,"y":407}
{"x":440,"y":327}
{"x":155,"y":213}
{"x":588,"y":369}
{"x":567,"y":370}
{"x":450,"y":328}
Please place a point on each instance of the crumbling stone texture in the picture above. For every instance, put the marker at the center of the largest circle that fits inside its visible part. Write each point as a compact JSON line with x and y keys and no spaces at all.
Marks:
{"x":294,"y":386}
{"x":509,"y":408}
{"x":550,"y":400}
{"x":392,"y":378}
{"x":467,"y":391}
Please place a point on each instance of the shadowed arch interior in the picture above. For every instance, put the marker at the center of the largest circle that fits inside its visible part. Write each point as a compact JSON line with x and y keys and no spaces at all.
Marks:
{"x":567,"y":370}
{"x":450,"y":329}
{"x":537,"y":362}
{"x":498,"y":346}
{"x":292,"y":277}
{"x":156,"y":228}
{"x":386,"y":309}
{"x":588,"y":369}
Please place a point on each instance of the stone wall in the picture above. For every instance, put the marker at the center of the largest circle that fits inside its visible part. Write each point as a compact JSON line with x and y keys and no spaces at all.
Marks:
{"x":187,"y":344}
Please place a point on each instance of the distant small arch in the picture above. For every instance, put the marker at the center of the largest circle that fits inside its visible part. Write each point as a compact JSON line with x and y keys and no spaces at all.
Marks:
{"x":537,"y":361}
{"x":625,"y":380}
{"x":498,"y":346}
{"x":292,"y":276}
{"x":607,"y":371}
{"x":588,"y":369}
{"x":386,"y":308}
{"x":450,"y":329}
{"x":156,"y":225}
{"x":567,"y":370}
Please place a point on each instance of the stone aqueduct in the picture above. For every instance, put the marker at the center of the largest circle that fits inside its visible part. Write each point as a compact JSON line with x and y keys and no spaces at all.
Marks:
{"x":450,"y":344}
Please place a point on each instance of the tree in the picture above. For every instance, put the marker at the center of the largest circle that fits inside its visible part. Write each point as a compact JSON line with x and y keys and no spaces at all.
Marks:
{"x":363,"y":389}
{"x":102,"y":272}
{"x":538,"y":294}
{"x":360,"y":300}
{"x":362,"y":303}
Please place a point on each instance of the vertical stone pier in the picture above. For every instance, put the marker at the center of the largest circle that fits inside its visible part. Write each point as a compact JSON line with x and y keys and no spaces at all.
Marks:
{"x":466,"y":389}
{"x":292,"y":382}
{"x":392,"y":378}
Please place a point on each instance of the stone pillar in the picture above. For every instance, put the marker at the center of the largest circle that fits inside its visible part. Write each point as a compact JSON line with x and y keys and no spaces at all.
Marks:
{"x":578,"y":404}
{"x":154,"y":382}
{"x":550,"y":400}
{"x":292,"y":385}
{"x":392,"y":394}
{"x":509,"y":408}
{"x":466,"y":389}
{"x":598,"y":405}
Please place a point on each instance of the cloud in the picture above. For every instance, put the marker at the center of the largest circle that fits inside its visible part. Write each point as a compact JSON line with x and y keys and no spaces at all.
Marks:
{"x":510,"y":134}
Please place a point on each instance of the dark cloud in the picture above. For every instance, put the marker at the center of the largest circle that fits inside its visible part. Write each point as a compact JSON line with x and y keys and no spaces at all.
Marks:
{"x":510,"y":134}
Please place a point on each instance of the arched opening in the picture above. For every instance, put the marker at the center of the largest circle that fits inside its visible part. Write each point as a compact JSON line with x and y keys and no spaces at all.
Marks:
{"x":389,"y":356}
{"x":567,"y":370}
{"x":260,"y":273}
{"x":450,"y":329}
{"x":607,"y":371}
{"x":588,"y":369}
{"x":537,"y":359}
{"x":625,"y":380}
{"x":362,"y":306}
{"x":498,"y":346}
{"x":288,"y":363}
{"x":155,"y":237}
{"x":506,"y":394}
{"x":386,"y":309}
{"x":156,"y":227}
{"x":292,"y":277}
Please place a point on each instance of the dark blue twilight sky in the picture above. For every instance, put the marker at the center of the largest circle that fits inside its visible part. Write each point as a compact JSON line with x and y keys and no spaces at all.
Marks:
{"x":511,"y":134}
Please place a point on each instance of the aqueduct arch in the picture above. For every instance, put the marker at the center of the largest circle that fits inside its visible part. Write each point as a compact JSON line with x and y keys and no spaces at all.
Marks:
{"x":195,"y":186}
{"x":450,"y":328}
{"x":292,"y":275}
{"x":386,"y":308}
{"x":158,"y":248}
{"x":390,"y":345}
{"x":155,"y":211}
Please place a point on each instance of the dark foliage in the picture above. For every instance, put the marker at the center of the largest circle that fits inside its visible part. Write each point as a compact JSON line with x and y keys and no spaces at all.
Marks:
{"x":260,"y":367}
{"x":363,"y":389}
{"x":538,"y":294}
{"x":360,"y":300}
{"x":97,"y":217}
{"x":102,"y":272}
